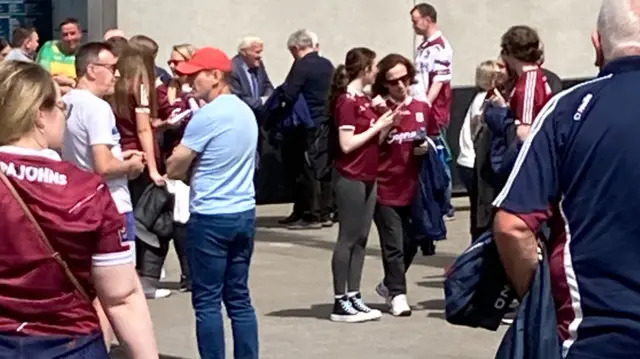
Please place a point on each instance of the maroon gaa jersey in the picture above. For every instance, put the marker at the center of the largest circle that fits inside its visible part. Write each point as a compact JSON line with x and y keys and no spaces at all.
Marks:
{"x":354,"y":111}
{"x":530,"y":94}
{"x":78,"y":215}
{"x":398,"y":167}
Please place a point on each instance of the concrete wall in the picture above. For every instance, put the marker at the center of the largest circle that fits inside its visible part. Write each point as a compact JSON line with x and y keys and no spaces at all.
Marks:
{"x":473,"y":27}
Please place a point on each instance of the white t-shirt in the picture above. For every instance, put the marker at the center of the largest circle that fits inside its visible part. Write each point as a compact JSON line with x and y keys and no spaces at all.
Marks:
{"x":90,"y":123}
{"x":467,"y":156}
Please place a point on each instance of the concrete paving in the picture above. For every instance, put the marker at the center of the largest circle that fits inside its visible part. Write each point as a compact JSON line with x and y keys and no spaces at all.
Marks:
{"x":292,"y":293}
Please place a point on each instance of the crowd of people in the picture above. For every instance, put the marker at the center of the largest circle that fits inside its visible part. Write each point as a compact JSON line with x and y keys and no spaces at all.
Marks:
{"x":106,"y":159}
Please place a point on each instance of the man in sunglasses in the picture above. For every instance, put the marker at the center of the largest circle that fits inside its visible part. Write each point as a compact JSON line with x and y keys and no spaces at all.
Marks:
{"x":91,"y":139}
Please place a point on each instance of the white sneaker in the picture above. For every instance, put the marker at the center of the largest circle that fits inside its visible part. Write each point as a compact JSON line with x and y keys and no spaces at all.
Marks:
{"x":399,"y":306}
{"x":382,"y":291}
{"x":159,"y":293}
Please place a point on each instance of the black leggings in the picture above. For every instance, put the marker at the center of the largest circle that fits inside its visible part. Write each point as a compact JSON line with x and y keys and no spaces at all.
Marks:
{"x":398,"y":246}
{"x":356,"y":202}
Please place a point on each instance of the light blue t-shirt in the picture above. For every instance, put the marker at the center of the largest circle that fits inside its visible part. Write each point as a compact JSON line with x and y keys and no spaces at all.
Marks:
{"x":224,"y":133}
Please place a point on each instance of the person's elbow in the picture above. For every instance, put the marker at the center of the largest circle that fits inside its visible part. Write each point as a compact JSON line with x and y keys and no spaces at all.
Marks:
{"x":507,"y":226}
{"x":175,"y":168}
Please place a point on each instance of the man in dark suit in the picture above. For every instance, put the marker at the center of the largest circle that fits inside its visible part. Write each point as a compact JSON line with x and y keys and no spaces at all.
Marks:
{"x":249,"y":78}
{"x":309,"y":77}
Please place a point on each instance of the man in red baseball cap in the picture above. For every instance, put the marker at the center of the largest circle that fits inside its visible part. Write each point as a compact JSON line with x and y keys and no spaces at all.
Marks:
{"x":223,"y":135}
{"x":207,"y":71}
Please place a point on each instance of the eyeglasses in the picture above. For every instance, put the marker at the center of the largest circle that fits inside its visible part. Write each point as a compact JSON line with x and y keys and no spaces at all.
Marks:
{"x":395,"y":82}
{"x":110,"y":67}
{"x":65,"y":108}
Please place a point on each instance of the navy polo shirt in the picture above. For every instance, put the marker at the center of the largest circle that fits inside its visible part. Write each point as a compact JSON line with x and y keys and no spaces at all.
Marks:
{"x":580,"y":171}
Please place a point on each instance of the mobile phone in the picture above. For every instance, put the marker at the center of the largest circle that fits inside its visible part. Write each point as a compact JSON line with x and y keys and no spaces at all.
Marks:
{"x":179,"y":117}
{"x":144,"y":95}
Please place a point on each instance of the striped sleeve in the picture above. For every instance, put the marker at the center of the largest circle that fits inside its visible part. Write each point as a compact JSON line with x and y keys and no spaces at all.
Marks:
{"x":526,"y":101}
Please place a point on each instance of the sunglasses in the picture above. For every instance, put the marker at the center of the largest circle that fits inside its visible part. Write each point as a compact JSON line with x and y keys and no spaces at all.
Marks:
{"x":395,"y":82}
{"x":174,"y":62}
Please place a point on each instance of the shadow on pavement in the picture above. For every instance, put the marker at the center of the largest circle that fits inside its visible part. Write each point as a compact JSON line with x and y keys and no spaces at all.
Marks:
{"x":269,"y":222}
{"x":317,"y":311}
{"x":303,"y":238}
{"x":439,"y":284}
{"x":432,"y":304}
{"x":117,"y":352}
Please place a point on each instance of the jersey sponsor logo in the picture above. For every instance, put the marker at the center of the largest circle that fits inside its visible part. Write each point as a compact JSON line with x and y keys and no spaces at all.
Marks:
{"x":419,"y":117}
{"x":33,"y":174}
{"x":583,"y":106}
{"x":400,"y":137}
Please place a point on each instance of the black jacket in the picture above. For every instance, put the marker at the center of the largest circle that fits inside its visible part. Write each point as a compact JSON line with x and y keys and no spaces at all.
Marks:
{"x":154,"y":211}
{"x":310,"y":76}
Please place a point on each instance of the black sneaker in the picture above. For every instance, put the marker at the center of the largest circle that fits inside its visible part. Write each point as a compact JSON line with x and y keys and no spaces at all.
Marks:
{"x":344,"y":312}
{"x":185,"y":284}
{"x":293,"y":217}
{"x":359,"y":305}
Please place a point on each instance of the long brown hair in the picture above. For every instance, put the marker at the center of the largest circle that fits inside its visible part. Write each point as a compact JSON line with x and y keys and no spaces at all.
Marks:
{"x":387,"y":63}
{"x":136,"y":68}
{"x":358,"y":60}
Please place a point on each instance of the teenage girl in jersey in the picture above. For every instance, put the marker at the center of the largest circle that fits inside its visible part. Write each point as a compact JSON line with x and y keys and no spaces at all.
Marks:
{"x":398,"y":169}
{"x":356,"y":165}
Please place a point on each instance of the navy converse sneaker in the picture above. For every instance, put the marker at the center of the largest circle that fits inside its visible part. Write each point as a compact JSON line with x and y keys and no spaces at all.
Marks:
{"x":343,"y":311}
{"x":359,"y":305}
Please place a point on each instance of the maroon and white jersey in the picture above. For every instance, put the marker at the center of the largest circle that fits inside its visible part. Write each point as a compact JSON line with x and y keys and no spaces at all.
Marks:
{"x":81,"y":221}
{"x":530,"y":93}
{"x":433,"y":61}
{"x":398,"y":167}
{"x":354,"y":111}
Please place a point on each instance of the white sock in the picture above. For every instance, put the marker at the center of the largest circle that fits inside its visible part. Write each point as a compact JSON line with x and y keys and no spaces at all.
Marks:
{"x":352,"y":294}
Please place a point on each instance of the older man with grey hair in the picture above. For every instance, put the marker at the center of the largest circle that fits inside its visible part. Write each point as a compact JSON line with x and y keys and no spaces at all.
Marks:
{"x":309,"y":79}
{"x":578,"y":172}
{"x":249,"y":79}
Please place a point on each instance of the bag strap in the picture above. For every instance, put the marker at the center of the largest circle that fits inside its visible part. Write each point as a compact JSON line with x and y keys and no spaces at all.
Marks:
{"x":43,"y":237}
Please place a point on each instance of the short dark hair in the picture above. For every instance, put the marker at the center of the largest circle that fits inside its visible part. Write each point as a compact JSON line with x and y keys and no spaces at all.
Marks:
{"x":3,"y":43}
{"x":69,"y":21}
{"x":523,"y":43}
{"x":426,"y":10}
{"x":20,"y":35}
{"x":88,"y":54}
{"x":118,"y":44}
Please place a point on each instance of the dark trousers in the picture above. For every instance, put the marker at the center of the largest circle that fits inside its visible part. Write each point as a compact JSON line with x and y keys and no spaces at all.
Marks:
{"x":466,"y":176}
{"x":311,"y":198}
{"x":17,"y":346}
{"x":220,"y":248}
{"x":356,"y":202}
{"x":150,"y":259}
{"x":398,"y":247}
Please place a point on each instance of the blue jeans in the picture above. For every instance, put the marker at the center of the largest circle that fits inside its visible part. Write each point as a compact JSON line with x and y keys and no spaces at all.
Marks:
{"x":219,"y":249}
{"x":17,"y":346}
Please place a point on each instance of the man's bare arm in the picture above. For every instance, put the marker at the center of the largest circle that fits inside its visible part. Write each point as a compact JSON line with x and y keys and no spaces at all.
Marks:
{"x":518,"y":249}
{"x":179,"y":162}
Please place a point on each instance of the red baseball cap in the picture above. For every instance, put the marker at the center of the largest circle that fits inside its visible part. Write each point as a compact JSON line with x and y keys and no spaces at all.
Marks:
{"x":206,"y":58}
